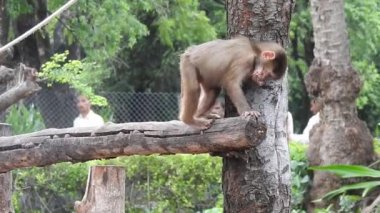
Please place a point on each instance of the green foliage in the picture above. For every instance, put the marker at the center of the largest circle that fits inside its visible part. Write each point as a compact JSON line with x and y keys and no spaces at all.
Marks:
{"x":169,"y":190}
{"x":300,"y":53}
{"x":377,"y":132}
{"x":18,"y":7}
{"x":162,"y":184}
{"x":351,"y":171}
{"x":24,"y":120}
{"x":73,"y":72}
{"x":184,"y":22}
{"x":55,"y":187}
{"x":376,"y":145}
{"x":300,"y":178}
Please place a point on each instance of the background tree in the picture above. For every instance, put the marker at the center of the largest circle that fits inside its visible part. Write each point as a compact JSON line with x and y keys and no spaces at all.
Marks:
{"x":363,"y":19}
{"x":340,"y":137}
{"x":259,"y":179}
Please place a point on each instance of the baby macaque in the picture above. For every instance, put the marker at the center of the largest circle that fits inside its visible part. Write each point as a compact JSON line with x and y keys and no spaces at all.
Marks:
{"x":208,"y":67}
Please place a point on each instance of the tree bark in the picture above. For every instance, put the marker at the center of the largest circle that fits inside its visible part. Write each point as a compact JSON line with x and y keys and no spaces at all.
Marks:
{"x":5,"y":179}
{"x":26,"y":88}
{"x":340,"y":137}
{"x":6,"y":74}
{"x":258,"y":180}
{"x":4,"y":22}
{"x":112,"y":140}
{"x":105,"y":191}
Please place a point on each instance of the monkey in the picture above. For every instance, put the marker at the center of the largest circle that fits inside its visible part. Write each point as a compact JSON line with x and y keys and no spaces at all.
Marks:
{"x":217,"y":110}
{"x":207,"y":68}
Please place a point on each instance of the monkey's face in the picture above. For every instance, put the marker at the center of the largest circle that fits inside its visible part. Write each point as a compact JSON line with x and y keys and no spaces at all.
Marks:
{"x":263,"y":72}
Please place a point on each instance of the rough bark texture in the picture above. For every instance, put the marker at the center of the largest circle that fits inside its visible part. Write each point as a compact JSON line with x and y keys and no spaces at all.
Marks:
{"x":4,"y":22}
{"x":105,"y":191}
{"x":340,"y":137}
{"x":5,"y":179}
{"x":6,"y":74}
{"x":258,"y":180}
{"x":26,"y":88}
{"x":112,"y":140}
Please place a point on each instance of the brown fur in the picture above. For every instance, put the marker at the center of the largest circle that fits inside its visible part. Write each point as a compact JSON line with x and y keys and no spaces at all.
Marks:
{"x":208,"y":67}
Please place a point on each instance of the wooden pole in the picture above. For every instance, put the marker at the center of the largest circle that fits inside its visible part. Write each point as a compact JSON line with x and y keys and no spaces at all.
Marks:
{"x":105,"y":191}
{"x":5,"y":179}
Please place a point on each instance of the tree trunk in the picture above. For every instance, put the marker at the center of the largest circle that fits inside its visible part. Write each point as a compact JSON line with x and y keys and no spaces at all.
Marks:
{"x":5,"y":179}
{"x":340,"y":137}
{"x":105,"y":191}
{"x":258,"y":180}
{"x":4,"y":22}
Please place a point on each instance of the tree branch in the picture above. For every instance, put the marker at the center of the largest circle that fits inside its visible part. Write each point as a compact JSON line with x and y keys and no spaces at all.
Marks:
{"x":112,"y":140}
{"x":28,"y":87}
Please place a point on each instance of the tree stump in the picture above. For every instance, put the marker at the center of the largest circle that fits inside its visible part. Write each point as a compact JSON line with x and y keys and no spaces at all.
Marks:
{"x":5,"y":179}
{"x":105,"y":191}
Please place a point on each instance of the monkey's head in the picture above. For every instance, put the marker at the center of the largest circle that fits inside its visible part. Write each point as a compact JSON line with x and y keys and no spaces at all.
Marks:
{"x":271,"y":63}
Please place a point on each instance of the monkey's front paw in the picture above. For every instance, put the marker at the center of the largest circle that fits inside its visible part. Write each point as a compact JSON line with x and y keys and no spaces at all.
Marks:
{"x":248,"y":114}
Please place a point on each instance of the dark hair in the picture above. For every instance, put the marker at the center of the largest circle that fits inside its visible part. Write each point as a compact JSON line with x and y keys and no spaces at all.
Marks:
{"x":280,"y":62}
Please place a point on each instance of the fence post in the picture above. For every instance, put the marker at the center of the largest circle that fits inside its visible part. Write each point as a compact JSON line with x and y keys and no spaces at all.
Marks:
{"x":105,"y":191}
{"x":5,"y":178}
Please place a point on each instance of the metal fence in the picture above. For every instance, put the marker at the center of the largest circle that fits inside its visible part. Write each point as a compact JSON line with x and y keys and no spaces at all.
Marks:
{"x":58,"y":109}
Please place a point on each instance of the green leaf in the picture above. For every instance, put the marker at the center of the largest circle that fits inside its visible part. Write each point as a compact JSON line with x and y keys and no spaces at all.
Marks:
{"x":349,"y":171}
{"x":366,"y":186}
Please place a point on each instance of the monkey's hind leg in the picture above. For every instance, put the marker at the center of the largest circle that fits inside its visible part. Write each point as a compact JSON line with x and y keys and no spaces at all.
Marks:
{"x":207,"y":100}
{"x":190,"y":92}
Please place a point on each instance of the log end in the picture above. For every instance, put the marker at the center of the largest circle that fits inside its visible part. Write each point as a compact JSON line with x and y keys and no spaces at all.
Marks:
{"x":255,"y":131}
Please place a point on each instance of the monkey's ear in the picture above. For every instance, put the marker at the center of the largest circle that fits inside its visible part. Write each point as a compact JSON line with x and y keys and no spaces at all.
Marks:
{"x":268,"y":55}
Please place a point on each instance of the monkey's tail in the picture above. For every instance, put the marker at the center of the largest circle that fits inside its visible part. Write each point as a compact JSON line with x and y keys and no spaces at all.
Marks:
{"x":190,"y":89}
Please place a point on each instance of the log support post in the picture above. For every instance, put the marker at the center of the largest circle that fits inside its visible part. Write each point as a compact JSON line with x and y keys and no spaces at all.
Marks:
{"x":5,"y":179}
{"x":105,"y":191}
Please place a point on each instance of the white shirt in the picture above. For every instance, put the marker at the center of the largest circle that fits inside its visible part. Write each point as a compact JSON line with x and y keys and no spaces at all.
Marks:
{"x":304,"y":137}
{"x":90,"y":120}
{"x":289,"y":126}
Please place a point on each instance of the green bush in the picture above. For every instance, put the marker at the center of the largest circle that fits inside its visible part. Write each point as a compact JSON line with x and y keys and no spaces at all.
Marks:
{"x":300,"y":178}
{"x":24,"y":120}
{"x":185,"y":183}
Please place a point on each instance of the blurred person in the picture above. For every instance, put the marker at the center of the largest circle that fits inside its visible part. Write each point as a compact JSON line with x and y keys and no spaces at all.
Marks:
{"x":315,"y":106}
{"x":86,"y":117}
{"x":289,"y":126}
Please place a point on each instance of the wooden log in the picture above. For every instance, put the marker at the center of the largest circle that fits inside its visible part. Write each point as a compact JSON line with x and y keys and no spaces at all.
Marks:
{"x":5,"y":179}
{"x":112,"y":140}
{"x":105,"y":191}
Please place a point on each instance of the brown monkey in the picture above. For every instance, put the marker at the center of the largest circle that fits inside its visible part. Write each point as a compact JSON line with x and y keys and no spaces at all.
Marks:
{"x":208,"y":67}
{"x":216,"y":111}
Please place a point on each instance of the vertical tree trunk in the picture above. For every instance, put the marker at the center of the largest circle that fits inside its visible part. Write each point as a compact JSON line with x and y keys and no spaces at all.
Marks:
{"x":4,"y":22}
{"x":258,"y":180}
{"x":5,"y":179}
{"x":105,"y":191}
{"x":340,"y":137}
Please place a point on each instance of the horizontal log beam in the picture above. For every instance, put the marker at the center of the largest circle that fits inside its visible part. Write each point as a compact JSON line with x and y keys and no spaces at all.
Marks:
{"x":51,"y":146}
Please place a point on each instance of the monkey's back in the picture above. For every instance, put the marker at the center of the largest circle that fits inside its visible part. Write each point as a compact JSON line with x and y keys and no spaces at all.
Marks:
{"x":214,"y":59}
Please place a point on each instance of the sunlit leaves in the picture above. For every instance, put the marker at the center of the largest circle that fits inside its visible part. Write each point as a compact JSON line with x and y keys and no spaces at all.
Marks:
{"x":73,"y":72}
{"x":184,"y":22}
